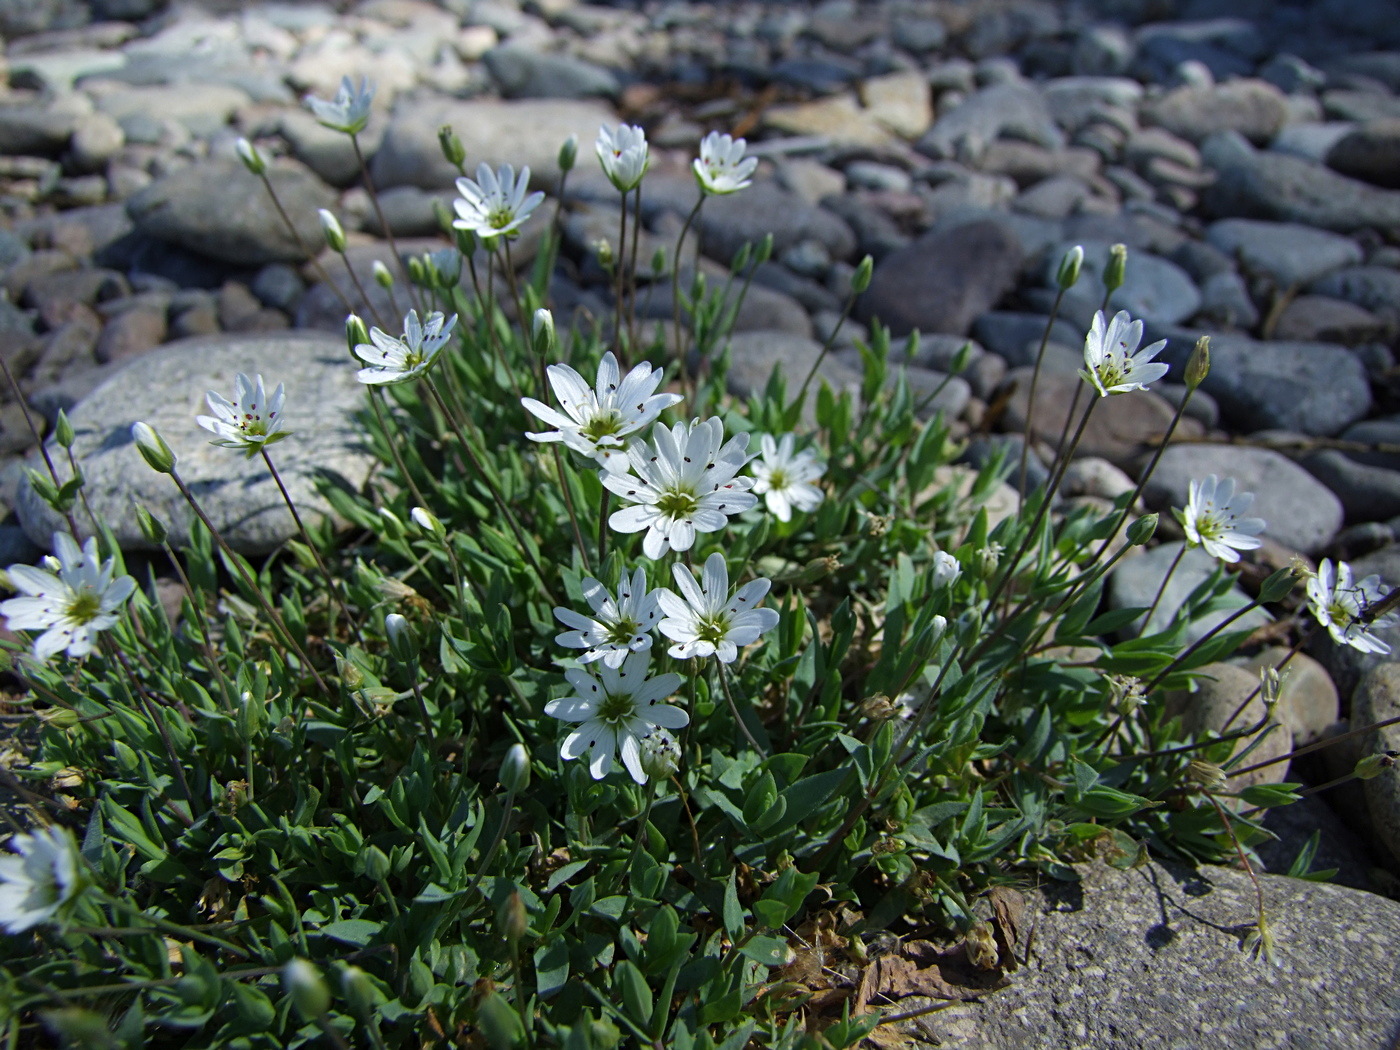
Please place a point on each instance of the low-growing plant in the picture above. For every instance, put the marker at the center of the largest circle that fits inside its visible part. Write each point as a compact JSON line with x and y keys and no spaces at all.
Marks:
{"x":603,"y":731}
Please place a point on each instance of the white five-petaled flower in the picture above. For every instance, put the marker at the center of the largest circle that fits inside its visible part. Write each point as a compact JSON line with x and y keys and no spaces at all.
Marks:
{"x":251,"y":421}
{"x":1212,"y":519}
{"x":721,"y":168}
{"x":784,"y":478}
{"x":41,"y":874}
{"x":624,"y":155}
{"x":616,"y":709}
{"x":600,"y":421}
{"x":618,"y":626}
{"x":705,"y":620}
{"x":495,"y":203}
{"x":680,"y":483}
{"x":348,"y":111}
{"x":1114,"y":364}
{"x":1338,"y":602}
{"x":81,"y":596}
{"x":394,"y":360}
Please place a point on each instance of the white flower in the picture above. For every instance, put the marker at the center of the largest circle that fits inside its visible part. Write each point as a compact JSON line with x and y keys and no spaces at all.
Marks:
{"x":496,"y":203}
{"x":682,"y":483}
{"x":394,"y":360}
{"x":706,"y":621}
{"x":71,"y":604}
{"x":36,"y":880}
{"x":721,"y":167}
{"x":1212,"y":519}
{"x":623,"y":154}
{"x":251,"y":421}
{"x":348,"y":111}
{"x":1115,"y":364}
{"x":946,"y":569}
{"x":616,"y":710}
{"x":618,"y":626}
{"x":600,"y":420}
{"x":784,"y":478}
{"x":1337,"y":602}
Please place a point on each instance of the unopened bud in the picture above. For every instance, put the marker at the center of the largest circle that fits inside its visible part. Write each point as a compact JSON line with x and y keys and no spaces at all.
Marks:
{"x":332,"y":231}
{"x":1277,"y":585}
{"x":961,"y":359}
{"x":514,"y":921}
{"x":401,"y":641}
{"x":661,"y":755}
{"x":63,"y":430}
{"x":741,"y":258}
{"x":946,"y":569}
{"x":1270,"y":686}
{"x":1206,"y":775}
{"x":1198,"y":364}
{"x":447,"y":263}
{"x":374,"y":862}
{"x":1116,"y":269}
{"x":602,"y":248}
{"x":303,"y":984}
{"x":393,"y":524}
{"x":1141,"y":530}
{"x":153,"y":448}
{"x":356,"y":334}
{"x":418,"y":273}
{"x":1371,"y":765}
{"x":543,"y":335}
{"x":860,"y":280}
{"x":252,"y":715}
{"x":658,"y":262}
{"x":382,"y":276}
{"x":1068,"y":274}
{"x":359,"y":990}
{"x":765,"y":249}
{"x":515,"y":769}
{"x":465,"y":240}
{"x":452,"y":147}
{"x":428,"y":521}
{"x":443,"y":215}
{"x":568,"y":153}
{"x":249,"y":155}
{"x":59,"y":717}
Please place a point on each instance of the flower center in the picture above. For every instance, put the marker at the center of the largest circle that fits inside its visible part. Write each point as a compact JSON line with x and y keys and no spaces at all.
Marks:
{"x":621,"y":631}
{"x":614,"y":711}
{"x":713,"y":630}
{"x":605,"y":423}
{"x":412,"y":360}
{"x":778,"y":480}
{"x":678,"y":503}
{"x":499,"y":218}
{"x":83,"y":608}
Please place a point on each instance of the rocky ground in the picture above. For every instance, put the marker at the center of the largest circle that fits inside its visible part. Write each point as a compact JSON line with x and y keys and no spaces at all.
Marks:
{"x":1250,"y":163}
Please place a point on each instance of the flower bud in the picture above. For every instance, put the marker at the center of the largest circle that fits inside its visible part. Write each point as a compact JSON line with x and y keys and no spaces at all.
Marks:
{"x":1125,"y":694}
{"x":452,"y":147}
{"x":249,"y":155}
{"x":514,"y":921}
{"x":356,"y":334}
{"x":860,"y":280}
{"x":661,"y":755}
{"x":332,"y":231}
{"x":1116,"y":269}
{"x":515,"y":769}
{"x":1270,"y":686}
{"x":961,"y":359}
{"x":428,"y":522}
{"x":303,"y":984}
{"x":1371,"y":765}
{"x":568,"y":153}
{"x":602,"y":248}
{"x":658,"y":262}
{"x":393,"y":525}
{"x":946,"y":569}
{"x":401,"y":640}
{"x":447,"y":264}
{"x":418,"y":273}
{"x":153,"y":448}
{"x":765,"y":249}
{"x":543,"y":334}
{"x":252,"y":716}
{"x":1277,"y":585}
{"x":1141,"y":530}
{"x":375,"y":863}
{"x":1198,"y":364}
{"x":382,"y":276}
{"x":465,"y":241}
{"x":741,"y":258}
{"x":359,"y":990}
{"x":1205,"y":775}
{"x":444,"y":216}
{"x":1068,"y":274}
{"x":63,"y":430}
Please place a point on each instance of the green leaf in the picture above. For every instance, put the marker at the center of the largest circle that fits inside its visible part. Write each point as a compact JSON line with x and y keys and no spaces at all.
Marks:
{"x":355,"y":932}
{"x":733,"y":913}
{"x":551,"y":967}
{"x":768,"y":951}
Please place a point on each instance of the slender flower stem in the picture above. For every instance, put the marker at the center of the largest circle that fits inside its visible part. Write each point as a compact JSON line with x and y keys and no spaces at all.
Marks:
{"x":603,"y":527}
{"x":1316,"y":745}
{"x":310,"y":543}
{"x":734,"y":709}
{"x":23,"y":403}
{"x":374,"y":397}
{"x":676,"y":292}
{"x":620,"y":306}
{"x":172,"y":927}
{"x":1198,"y":643}
{"x":364,"y":295}
{"x":1292,"y":652}
{"x":826,"y":347}
{"x":1035,"y":382}
{"x":301,"y":245}
{"x":1064,"y":431}
{"x":523,"y":319}
{"x":641,"y":834}
{"x":114,"y":650}
{"x":422,"y":705}
{"x":507,"y":819}
{"x":274,"y":617}
{"x":569,"y":505}
{"x":636,"y":236}
{"x":488,"y":318}
{"x":1162,"y":589}
{"x":383,"y":223}
{"x":490,"y":484}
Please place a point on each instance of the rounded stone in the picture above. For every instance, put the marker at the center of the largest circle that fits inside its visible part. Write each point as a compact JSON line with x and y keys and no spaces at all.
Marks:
{"x":1377,"y":699}
{"x":1308,"y":701}
{"x":166,"y":388}
{"x":1222,"y":690}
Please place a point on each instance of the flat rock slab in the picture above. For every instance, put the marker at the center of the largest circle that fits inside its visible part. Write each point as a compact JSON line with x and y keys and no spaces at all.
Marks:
{"x":1150,"y":959}
{"x":166,"y":388}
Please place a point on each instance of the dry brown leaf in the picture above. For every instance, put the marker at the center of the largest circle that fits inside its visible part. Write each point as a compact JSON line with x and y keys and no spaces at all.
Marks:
{"x":1013,"y":926}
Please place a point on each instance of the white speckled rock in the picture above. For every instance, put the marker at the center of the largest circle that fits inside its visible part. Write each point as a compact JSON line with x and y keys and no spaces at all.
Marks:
{"x":166,"y":388}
